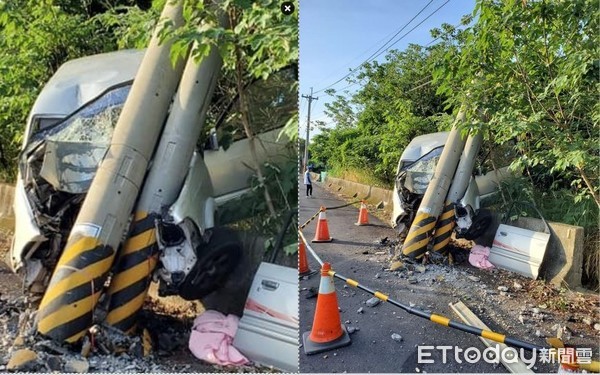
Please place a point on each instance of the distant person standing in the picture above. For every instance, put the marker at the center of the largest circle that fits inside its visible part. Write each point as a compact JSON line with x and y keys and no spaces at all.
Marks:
{"x":308,"y":182}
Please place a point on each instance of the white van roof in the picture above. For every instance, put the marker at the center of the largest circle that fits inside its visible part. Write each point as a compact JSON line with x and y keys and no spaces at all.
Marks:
{"x":78,"y":81}
{"x":422,"y":144}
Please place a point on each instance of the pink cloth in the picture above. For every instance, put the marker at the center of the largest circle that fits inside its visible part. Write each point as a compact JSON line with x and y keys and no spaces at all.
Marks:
{"x":479,"y":257}
{"x":212,"y":337}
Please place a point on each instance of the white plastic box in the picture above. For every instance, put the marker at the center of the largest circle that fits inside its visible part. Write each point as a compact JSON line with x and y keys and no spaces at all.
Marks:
{"x":268,"y":330}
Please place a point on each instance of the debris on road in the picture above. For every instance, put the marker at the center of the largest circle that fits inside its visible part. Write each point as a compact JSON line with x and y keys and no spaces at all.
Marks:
{"x":22,"y":360}
{"x":372,"y":302}
{"x":77,"y":366}
{"x":397,"y":337}
{"x":360,"y":310}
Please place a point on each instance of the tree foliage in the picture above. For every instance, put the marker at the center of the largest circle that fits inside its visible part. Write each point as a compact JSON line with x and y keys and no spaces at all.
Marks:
{"x":528,"y":72}
{"x":396,"y":102}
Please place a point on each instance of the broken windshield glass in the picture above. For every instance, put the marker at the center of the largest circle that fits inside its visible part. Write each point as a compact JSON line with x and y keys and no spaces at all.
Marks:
{"x":75,"y":147}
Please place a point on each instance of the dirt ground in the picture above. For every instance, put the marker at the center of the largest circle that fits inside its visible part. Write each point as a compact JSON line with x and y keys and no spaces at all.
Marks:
{"x":168,"y":320}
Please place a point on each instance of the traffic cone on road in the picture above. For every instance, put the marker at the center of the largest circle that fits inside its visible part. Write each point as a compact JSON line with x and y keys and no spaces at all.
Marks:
{"x":363,"y":215}
{"x":327,"y":332}
{"x":322,"y":233}
{"x":303,"y":269}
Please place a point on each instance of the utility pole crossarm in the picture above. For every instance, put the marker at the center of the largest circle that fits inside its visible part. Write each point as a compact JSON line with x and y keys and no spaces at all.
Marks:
{"x":310,"y":99}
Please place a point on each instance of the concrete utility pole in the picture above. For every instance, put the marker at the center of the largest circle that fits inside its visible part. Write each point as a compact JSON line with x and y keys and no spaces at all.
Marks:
{"x":67,"y":309}
{"x":310,"y":99}
{"x":433,"y":203}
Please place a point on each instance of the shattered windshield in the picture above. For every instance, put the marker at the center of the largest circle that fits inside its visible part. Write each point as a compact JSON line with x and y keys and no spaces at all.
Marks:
{"x":75,"y":147}
{"x":416,"y":176}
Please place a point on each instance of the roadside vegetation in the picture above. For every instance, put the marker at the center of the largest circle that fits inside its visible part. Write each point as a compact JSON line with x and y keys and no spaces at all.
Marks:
{"x":527,"y":73}
{"x":37,"y":37}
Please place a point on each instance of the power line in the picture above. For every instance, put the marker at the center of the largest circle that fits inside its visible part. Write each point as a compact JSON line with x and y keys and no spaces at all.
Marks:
{"x":389,"y":40}
{"x":372,"y":57}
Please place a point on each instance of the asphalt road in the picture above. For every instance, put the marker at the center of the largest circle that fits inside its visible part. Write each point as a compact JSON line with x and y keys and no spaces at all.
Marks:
{"x":356,"y":253}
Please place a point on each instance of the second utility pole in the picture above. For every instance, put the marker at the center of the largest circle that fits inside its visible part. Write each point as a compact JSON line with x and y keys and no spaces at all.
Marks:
{"x":310,"y":99}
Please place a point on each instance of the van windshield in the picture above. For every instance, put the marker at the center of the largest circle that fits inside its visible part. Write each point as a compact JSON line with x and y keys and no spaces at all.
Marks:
{"x":75,"y":146}
{"x":415,"y":177}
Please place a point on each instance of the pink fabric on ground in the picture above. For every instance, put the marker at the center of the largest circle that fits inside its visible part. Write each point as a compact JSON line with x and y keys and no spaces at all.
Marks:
{"x":212,"y":337}
{"x":479,"y":257}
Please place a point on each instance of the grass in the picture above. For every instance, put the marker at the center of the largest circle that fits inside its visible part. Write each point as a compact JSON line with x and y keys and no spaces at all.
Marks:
{"x":362,"y":176}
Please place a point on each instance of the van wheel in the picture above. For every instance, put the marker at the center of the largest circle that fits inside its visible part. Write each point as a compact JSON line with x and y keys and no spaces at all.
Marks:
{"x":216,"y":261}
{"x":480,"y":224}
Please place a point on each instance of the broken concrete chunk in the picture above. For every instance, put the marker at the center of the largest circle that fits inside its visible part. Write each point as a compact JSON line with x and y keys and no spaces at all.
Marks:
{"x":54,"y":363}
{"x":396,"y":337}
{"x":517,"y":286}
{"x":538,"y":333}
{"x":77,"y":366}
{"x":360,"y":310}
{"x":412,"y":280}
{"x":420,"y":269}
{"x":372,"y":302}
{"x":351,"y":329}
{"x":21,"y":359}
{"x":587,"y":321}
{"x":503,"y":289}
{"x":474,"y":278}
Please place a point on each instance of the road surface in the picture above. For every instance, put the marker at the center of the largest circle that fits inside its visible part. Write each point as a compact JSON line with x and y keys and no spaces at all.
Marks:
{"x":356,"y":253}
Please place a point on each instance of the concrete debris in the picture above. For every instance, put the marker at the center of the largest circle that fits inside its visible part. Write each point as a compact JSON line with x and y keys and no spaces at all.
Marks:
{"x":597,"y":326}
{"x":503,"y":288}
{"x":412,"y":280}
{"x":352,"y":329}
{"x":372,"y":302}
{"x":396,"y":265}
{"x":517,"y":286}
{"x":535,"y":310}
{"x":54,"y":363}
{"x":587,"y":321}
{"x":77,"y":366}
{"x":377,"y":276}
{"x":420,"y":269}
{"x":22,"y":359}
{"x":396,"y":337}
{"x":474,"y":278}
{"x":360,"y":310}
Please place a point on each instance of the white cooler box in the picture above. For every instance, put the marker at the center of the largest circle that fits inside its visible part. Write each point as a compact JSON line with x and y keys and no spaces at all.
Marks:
{"x":519,"y":250}
{"x":268,"y":330}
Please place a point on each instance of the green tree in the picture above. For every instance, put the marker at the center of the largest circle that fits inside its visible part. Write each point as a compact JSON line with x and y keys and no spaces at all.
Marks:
{"x":528,"y":72}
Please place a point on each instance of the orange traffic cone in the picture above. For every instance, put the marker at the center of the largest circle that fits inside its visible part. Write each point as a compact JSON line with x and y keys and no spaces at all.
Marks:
{"x":363,"y":215}
{"x":322,"y":233}
{"x":327,"y":332}
{"x":303,"y":269}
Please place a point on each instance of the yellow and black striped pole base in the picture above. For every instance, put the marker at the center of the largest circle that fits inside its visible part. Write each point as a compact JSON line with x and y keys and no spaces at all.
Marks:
{"x":66,"y":311}
{"x":417,"y":239}
{"x":129,"y":284}
{"x":443,"y":228}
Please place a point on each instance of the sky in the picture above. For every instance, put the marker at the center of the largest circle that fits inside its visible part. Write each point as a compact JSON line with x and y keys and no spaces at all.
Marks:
{"x":336,"y":35}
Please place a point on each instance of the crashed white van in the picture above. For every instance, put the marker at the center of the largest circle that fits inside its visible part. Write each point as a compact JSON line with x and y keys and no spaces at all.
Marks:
{"x":67,"y":135}
{"x":414,"y":172}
